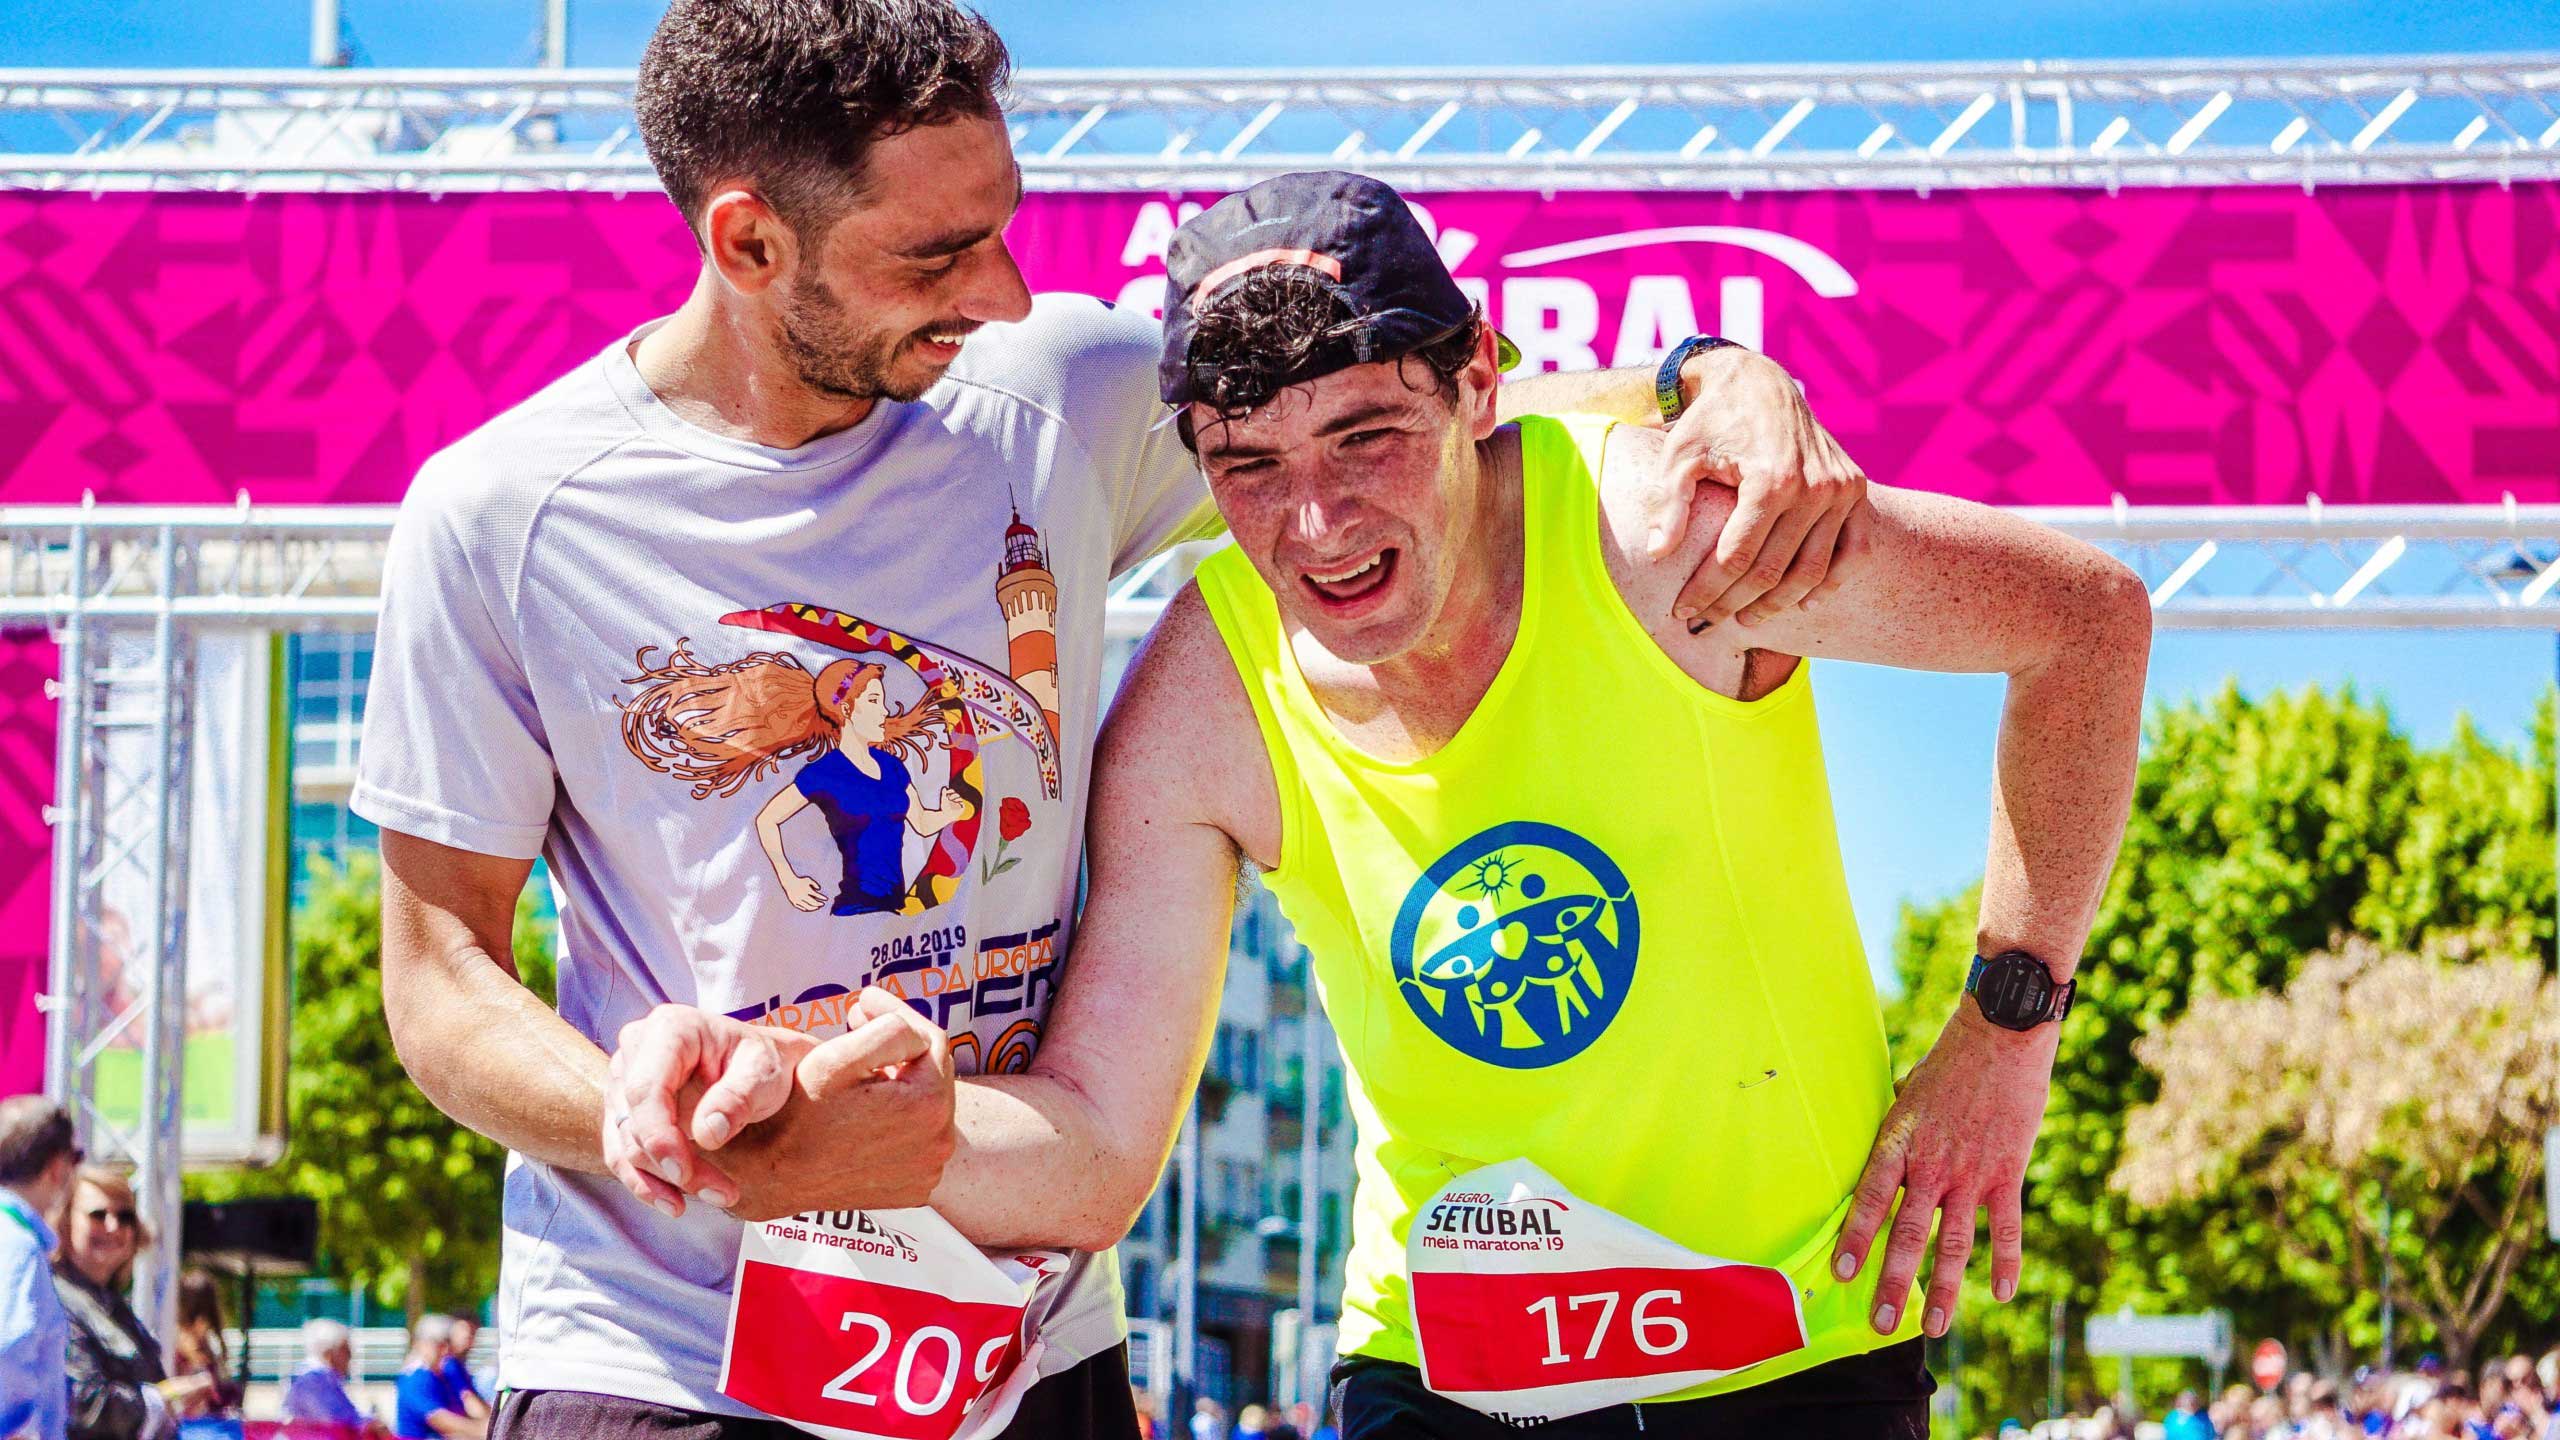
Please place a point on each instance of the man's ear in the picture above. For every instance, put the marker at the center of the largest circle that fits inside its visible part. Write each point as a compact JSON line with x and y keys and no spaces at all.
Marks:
{"x":746,"y":242}
{"x":1480,"y":385}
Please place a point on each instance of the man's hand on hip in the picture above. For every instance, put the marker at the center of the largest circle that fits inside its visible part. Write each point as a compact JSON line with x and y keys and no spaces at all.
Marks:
{"x":1750,"y":428}
{"x":1956,"y":1141}
{"x":861,"y":1121}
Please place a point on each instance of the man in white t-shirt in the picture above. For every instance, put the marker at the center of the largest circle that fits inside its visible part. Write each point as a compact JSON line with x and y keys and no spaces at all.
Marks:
{"x":776,"y":631}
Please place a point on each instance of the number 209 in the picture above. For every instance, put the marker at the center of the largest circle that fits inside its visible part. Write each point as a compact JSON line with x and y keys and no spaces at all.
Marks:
{"x":990,"y":1355}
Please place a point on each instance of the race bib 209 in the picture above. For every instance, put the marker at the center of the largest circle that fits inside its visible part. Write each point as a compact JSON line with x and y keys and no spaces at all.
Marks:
{"x":884,"y":1325}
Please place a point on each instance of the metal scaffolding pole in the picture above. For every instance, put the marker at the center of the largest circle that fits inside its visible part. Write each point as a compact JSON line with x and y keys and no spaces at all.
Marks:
{"x":116,"y":991}
{"x":71,"y":718}
{"x":1733,"y":128}
{"x":157,"y":1153}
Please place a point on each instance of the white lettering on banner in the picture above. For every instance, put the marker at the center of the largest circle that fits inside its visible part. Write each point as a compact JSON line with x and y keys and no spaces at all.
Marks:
{"x":1152,"y":231}
{"x":1658,"y":315}
{"x":1739,"y":319}
{"x":1553,"y":320}
{"x":1454,"y":246}
{"x":1556,"y":319}
{"x":1145,"y":294}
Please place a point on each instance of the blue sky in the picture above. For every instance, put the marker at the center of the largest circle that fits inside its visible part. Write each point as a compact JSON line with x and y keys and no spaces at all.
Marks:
{"x":1328,"y":32}
{"x":1910,"y":754}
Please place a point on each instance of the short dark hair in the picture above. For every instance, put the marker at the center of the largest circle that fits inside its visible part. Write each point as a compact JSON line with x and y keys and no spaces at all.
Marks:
{"x":1283,"y":325}
{"x":792,"y":94}
{"x":34,"y":1132}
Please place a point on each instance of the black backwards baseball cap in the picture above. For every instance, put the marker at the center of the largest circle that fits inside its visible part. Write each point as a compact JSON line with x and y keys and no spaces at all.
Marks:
{"x":1355,"y":234}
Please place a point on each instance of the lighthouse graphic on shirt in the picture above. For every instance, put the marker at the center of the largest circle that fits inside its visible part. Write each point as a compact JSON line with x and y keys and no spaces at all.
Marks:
{"x":1028,"y":595}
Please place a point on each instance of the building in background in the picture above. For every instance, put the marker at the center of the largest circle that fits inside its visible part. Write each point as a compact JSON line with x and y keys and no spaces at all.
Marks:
{"x":330,"y":671}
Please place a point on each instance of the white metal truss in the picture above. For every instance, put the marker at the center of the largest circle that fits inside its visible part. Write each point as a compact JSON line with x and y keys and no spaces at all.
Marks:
{"x":2113,"y":123}
{"x":117,"y":976}
{"x":123,"y":570}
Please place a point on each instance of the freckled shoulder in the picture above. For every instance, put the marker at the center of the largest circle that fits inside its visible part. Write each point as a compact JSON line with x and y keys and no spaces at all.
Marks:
{"x":1182,"y":730}
{"x":1630,"y":485}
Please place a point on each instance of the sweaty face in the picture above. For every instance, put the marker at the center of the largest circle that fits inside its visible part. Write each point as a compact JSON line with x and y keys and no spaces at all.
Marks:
{"x":1347,"y":493}
{"x":880,"y":305}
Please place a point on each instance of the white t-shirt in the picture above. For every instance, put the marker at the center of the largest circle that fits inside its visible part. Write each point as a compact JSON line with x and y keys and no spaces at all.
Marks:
{"x":627,"y":645}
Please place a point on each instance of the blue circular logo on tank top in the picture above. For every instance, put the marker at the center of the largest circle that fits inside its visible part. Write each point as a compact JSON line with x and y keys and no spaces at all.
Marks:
{"x":1518,"y":946}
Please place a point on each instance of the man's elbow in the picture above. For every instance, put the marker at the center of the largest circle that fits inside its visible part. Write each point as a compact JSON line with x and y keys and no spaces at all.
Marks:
{"x":1117,"y":1202}
{"x":2095,"y":616}
{"x":2122,"y":612}
{"x":399,"y":1016}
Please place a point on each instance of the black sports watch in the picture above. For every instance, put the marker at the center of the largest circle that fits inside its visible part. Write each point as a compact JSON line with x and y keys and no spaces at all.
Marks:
{"x":1666,"y":380}
{"x":2017,"y":992}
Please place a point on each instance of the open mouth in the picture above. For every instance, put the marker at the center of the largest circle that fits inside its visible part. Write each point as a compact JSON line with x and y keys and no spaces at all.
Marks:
{"x":1340,"y":591}
{"x":942,"y":345}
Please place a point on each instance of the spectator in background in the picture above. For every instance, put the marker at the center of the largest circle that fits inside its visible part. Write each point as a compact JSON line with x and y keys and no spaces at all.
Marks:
{"x":457,"y":1368}
{"x":2186,"y":1420}
{"x":426,"y":1406}
{"x":317,"y":1394}
{"x":200,"y":1348}
{"x":1208,"y":1420}
{"x":119,"y":1389}
{"x":38,"y":1158}
{"x":1252,"y":1423}
{"x":2324,"y":1418}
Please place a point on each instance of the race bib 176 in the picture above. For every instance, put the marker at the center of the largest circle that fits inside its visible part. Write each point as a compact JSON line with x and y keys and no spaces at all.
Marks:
{"x":1529,"y":1302}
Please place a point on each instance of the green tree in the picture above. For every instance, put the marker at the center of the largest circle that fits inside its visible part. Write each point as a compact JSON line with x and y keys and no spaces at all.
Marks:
{"x":408,"y":1199}
{"x":2423,"y":1080}
{"x":2261,"y":829}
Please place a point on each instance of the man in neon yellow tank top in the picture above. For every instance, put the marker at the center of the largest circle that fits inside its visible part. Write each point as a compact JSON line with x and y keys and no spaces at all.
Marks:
{"x":1568,"y":872}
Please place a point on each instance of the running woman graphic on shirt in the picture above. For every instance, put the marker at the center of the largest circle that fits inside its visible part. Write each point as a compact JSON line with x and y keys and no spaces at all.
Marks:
{"x":864,"y":761}
{"x":724,"y":726}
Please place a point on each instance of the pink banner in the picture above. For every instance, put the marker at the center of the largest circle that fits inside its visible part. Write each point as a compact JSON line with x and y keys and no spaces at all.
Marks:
{"x":2365,"y":344}
{"x":27,"y":664}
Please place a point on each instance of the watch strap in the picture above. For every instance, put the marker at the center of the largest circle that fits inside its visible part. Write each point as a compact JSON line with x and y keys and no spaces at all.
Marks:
{"x":1666,"y":379}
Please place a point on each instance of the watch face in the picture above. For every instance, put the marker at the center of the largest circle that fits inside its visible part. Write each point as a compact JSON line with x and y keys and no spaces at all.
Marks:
{"x":2015,"y":990}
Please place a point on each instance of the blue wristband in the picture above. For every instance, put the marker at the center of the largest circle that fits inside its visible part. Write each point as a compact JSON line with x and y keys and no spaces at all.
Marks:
{"x":1666,"y":381}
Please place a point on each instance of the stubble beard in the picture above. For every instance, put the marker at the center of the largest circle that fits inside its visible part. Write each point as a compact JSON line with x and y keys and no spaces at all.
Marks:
{"x":834,"y":358}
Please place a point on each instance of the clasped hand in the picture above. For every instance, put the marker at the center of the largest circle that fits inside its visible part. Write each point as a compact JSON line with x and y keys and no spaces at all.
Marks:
{"x":859,"y":1121}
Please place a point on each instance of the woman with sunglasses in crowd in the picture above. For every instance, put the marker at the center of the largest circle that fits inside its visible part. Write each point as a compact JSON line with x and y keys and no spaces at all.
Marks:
{"x":119,"y":1390}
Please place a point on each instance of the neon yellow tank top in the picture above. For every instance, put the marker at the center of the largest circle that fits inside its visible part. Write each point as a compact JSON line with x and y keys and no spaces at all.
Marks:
{"x":1604,"y":927}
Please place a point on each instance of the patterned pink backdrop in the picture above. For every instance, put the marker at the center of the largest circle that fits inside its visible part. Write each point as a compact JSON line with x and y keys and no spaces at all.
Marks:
{"x":2030,"y":346}
{"x":2385,"y":344}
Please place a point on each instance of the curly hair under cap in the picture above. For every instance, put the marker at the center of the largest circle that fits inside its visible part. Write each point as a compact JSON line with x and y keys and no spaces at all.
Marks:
{"x":1284,"y":325}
